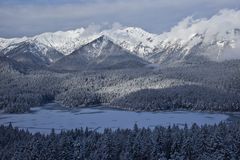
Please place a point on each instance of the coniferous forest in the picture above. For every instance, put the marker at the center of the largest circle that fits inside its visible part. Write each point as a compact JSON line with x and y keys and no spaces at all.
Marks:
{"x":210,"y":86}
{"x":217,"y":142}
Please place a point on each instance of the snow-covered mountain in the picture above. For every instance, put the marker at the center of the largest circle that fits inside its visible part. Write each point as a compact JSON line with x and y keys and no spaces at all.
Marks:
{"x":131,"y":38}
{"x":101,"y":53}
{"x":216,"y":38}
{"x":31,"y":53}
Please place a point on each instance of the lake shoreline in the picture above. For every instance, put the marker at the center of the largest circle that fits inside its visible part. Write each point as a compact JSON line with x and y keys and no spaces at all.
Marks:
{"x":109,"y":106}
{"x":53,"y":115}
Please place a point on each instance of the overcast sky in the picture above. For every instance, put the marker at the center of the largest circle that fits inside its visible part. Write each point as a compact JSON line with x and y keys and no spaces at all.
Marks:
{"x":31,"y":17}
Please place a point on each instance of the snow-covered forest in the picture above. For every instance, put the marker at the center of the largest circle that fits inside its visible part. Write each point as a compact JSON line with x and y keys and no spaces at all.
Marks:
{"x":206,"y":86}
{"x":199,"y":143}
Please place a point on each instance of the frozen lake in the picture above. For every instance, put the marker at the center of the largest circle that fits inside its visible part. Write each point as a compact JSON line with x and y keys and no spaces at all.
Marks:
{"x":43,"y":119}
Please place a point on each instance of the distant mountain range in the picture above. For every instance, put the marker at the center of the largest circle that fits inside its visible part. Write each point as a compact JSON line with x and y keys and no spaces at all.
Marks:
{"x":215,"y":39}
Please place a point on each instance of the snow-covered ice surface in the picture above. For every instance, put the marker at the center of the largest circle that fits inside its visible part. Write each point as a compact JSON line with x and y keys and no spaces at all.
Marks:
{"x":43,"y":119}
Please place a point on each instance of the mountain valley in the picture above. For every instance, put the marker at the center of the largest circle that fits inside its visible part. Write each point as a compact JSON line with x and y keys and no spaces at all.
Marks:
{"x":193,"y":66}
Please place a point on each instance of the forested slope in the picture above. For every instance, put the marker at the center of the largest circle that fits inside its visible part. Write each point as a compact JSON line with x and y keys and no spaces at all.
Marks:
{"x":207,"y":86}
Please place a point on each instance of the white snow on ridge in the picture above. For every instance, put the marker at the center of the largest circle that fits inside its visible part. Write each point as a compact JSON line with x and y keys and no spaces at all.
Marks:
{"x":65,"y":42}
{"x":217,"y":38}
{"x":135,"y":40}
{"x":4,"y":42}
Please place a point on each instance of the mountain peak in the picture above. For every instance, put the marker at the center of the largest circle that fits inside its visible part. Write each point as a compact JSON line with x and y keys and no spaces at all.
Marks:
{"x":97,"y":47}
{"x":101,"y":53}
{"x":189,"y":37}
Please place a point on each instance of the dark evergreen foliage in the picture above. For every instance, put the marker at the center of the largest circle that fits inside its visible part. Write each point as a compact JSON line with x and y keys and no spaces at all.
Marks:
{"x":209,"y":86}
{"x":197,"y":143}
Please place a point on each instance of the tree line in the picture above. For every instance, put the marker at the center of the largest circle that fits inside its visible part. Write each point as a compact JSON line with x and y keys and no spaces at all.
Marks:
{"x":220,"y":141}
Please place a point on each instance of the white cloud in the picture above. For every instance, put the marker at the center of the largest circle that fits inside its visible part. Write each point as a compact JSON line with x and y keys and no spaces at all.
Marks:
{"x":225,"y":21}
{"x":233,"y":53}
{"x":92,"y":29}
